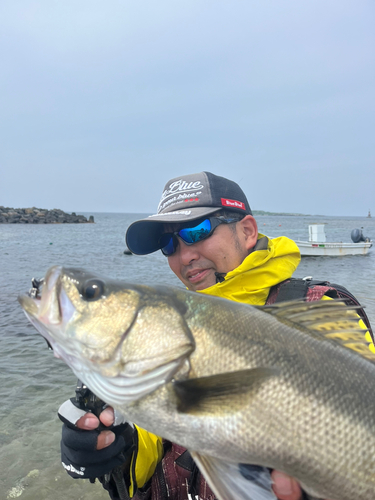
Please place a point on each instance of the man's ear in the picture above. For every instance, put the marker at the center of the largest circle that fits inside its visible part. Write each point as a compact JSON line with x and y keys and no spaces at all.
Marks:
{"x":249,"y":229}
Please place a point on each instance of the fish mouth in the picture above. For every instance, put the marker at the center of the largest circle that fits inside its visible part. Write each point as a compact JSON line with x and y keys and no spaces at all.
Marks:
{"x":48,"y":308}
{"x":42,"y":301}
{"x":29,"y":304}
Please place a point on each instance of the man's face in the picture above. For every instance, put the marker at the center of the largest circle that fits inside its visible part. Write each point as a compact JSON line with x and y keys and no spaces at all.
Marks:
{"x":195,"y":265}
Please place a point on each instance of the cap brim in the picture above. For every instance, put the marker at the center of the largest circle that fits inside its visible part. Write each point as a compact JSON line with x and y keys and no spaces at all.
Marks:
{"x":142,"y":236}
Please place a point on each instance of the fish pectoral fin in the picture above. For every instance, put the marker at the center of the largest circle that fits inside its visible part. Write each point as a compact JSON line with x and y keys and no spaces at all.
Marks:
{"x":220,"y":393}
{"x":230,"y":481}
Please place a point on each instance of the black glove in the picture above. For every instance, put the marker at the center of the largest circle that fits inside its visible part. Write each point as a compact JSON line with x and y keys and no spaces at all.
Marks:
{"x":79,"y":455}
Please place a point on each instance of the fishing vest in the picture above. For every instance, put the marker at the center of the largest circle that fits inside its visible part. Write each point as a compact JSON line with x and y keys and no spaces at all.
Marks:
{"x":176,"y":477}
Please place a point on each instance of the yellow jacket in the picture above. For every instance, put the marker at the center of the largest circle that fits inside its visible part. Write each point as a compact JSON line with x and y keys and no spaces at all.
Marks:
{"x":271,"y":262}
{"x":149,"y":452}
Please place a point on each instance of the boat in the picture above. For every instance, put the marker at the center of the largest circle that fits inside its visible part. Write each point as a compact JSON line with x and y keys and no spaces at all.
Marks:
{"x":317,"y":244}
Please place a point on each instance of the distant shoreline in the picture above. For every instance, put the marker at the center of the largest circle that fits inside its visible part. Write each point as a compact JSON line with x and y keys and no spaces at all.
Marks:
{"x":262,"y":212}
{"x":35,"y":215}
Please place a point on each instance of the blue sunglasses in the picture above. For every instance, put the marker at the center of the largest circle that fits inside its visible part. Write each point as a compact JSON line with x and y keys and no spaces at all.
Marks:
{"x":168,"y":241}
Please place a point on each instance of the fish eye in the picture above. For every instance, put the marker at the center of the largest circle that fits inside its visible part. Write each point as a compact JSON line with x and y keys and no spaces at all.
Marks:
{"x":92,"y":289}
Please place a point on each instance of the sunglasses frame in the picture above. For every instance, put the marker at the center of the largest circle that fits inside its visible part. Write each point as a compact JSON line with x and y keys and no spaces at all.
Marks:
{"x":214,"y":221}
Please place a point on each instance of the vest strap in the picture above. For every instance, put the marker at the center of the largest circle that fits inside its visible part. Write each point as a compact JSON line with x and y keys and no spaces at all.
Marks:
{"x":292,"y":290}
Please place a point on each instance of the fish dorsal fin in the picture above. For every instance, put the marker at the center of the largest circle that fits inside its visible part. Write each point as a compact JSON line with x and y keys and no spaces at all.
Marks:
{"x":230,"y":481}
{"x":220,"y":393}
{"x":330,"y":320}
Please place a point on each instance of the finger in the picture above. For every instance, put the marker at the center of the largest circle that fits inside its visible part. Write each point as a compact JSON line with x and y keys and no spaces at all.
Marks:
{"x":105,"y":438}
{"x":88,"y":422}
{"x":285,"y":487}
{"x":107,"y":416}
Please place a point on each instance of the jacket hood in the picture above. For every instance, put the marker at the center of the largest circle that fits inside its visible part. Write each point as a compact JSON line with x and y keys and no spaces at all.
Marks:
{"x":271,"y":262}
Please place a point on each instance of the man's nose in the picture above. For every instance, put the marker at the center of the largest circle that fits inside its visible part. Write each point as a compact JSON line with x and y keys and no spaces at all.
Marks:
{"x":187,"y":253}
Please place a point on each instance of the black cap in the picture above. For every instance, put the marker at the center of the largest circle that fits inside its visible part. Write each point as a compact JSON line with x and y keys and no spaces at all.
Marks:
{"x":184,"y":199}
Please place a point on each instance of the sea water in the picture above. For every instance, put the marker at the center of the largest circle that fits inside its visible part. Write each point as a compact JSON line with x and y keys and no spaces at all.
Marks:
{"x":33,"y":383}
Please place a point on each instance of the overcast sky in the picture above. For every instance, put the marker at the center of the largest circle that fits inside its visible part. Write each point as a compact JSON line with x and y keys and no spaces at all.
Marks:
{"x":102,"y":102}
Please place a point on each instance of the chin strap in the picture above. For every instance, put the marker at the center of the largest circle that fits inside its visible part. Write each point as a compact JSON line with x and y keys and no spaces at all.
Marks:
{"x":220,"y":277}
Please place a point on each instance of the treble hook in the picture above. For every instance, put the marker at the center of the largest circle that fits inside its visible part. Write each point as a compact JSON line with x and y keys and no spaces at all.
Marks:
{"x":36,"y":285}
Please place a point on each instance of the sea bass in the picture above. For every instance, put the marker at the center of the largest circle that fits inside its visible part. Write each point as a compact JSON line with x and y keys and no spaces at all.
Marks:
{"x":275,"y":386}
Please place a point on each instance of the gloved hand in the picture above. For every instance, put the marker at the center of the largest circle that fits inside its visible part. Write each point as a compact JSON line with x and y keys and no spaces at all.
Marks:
{"x":93,"y":453}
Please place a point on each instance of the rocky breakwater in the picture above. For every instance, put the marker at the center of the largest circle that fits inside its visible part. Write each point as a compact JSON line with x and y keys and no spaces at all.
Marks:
{"x":40,"y":216}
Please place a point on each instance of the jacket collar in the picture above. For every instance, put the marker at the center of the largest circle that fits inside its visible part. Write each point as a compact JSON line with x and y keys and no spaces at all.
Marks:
{"x":270,"y":262}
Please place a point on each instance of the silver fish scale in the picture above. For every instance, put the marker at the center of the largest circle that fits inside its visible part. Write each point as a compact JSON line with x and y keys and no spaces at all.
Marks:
{"x":315,"y":420}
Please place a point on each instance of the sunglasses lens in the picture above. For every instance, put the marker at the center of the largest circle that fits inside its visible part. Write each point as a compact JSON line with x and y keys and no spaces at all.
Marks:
{"x":197,"y":233}
{"x":167,"y":244}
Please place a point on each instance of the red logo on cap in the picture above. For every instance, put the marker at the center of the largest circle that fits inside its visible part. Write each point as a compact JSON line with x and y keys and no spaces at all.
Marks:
{"x":233,"y":203}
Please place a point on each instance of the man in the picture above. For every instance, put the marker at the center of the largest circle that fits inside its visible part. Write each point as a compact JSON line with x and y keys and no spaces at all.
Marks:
{"x":205,"y":228}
